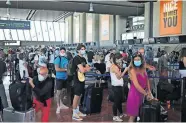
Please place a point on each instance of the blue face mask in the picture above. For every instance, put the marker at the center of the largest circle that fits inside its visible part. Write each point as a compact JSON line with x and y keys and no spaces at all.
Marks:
{"x":124,"y":65}
{"x":137,"y":63}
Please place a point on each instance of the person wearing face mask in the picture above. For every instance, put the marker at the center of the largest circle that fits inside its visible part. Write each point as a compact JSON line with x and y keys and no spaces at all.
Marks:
{"x":117,"y":86}
{"x":42,"y":62}
{"x":43,"y":88}
{"x":140,"y":86}
{"x":149,"y":67}
{"x":80,"y":66}
{"x":61,"y":63}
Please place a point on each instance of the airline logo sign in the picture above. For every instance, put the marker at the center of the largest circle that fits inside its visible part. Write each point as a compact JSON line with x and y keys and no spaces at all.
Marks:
{"x":170,"y":17}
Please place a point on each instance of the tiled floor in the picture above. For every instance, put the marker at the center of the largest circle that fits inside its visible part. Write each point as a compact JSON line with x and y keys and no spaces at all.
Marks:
{"x":104,"y":116}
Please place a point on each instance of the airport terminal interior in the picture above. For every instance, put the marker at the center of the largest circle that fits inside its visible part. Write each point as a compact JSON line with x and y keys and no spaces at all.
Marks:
{"x":93,"y":61}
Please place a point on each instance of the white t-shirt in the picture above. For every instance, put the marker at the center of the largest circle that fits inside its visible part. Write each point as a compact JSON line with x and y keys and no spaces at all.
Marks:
{"x":107,"y":57}
{"x":108,"y":65}
{"x":52,"y":57}
{"x":23,"y":68}
{"x":42,"y":61}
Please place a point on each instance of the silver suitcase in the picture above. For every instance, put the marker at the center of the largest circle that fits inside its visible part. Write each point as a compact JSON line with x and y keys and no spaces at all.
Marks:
{"x":9,"y":115}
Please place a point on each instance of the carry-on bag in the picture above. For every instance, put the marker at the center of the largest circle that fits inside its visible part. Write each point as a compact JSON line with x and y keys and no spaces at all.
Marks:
{"x":1,"y":110}
{"x":93,"y":99}
{"x":150,"y":111}
{"x":9,"y":115}
{"x":21,"y":95}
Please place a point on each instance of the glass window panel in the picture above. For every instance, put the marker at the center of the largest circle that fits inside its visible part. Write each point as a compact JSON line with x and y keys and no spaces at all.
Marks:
{"x":140,"y":35}
{"x":14,"y":34}
{"x":2,"y":37}
{"x":51,"y":31}
{"x":138,"y":19}
{"x":129,"y":35}
{"x":27,"y":35}
{"x":33,"y":32}
{"x":57,"y":31}
{"x":21,"y":35}
{"x":45,"y":31}
{"x":138,"y":23}
{"x":38,"y":31}
{"x":66,"y":32}
{"x":62,"y":29}
{"x":124,"y":36}
{"x":8,"y":35}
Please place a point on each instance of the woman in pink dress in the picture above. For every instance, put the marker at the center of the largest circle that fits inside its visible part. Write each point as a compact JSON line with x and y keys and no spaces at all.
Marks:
{"x":140,"y":86}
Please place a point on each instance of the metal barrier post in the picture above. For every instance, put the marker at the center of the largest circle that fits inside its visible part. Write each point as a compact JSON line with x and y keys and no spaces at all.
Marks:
{"x":183,"y":108}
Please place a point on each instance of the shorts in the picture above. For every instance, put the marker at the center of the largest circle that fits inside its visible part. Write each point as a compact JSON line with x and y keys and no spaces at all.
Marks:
{"x":60,"y":84}
{"x":79,"y":88}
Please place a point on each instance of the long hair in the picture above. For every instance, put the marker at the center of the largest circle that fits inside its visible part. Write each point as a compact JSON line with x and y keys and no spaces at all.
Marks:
{"x":142,"y":66}
{"x":183,"y":56}
{"x":183,"y":53}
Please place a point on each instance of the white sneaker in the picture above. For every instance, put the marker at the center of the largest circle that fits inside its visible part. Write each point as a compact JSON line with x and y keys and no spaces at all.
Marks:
{"x":81,"y":114}
{"x":58,"y":110}
{"x":64,"y":107}
{"x":138,"y":118}
{"x":121,"y":116}
{"x":76,"y":117}
{"x":117,"y":119}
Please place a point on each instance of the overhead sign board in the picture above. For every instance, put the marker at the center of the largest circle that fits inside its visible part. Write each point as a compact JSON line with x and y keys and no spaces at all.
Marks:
{"x":174,"y":39}
{"x":136,"y":27}
{"x":9,"y":24}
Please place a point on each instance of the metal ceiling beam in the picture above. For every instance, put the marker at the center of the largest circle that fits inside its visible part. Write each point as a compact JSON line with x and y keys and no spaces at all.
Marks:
{"x":29,"y":14}
{"x":124,"y":10}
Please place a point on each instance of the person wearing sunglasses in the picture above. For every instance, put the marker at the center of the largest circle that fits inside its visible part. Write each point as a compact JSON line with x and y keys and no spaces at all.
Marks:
{"x":43,"y":88}
{"x":140,"y":86}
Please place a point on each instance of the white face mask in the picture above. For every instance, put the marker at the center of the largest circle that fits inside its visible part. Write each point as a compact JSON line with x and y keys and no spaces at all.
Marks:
{"x":82,"y":52}
{"x":41,"y":78}
{"x":62,"y":54}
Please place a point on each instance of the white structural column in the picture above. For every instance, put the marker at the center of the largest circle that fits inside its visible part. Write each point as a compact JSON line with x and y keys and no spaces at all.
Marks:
{"x":83,"y":27}
{"x":95,"y":29}
{"x":147,"y":19}
{"x":70,"y":30}
{"x":120,"y":27}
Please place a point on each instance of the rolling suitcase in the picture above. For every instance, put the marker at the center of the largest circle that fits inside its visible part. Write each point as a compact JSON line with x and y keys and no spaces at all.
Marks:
{"x":9,"y":115}
{"x":1,"y":110}
{"x":150,"y":111}
{"x":92,"y":99}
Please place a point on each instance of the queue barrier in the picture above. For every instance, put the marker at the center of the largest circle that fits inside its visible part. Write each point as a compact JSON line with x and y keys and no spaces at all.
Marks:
{"x":126,"y":76}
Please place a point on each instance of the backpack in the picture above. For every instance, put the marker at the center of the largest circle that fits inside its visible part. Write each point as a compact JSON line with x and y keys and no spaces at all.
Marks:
{"x":70,"y":71}
{"x":21,"y":95}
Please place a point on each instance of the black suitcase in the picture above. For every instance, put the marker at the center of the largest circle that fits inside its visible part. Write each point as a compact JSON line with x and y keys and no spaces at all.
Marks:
{"x":93,"y":97}
{"x":150,"y":111}
{"x":21,"y":95}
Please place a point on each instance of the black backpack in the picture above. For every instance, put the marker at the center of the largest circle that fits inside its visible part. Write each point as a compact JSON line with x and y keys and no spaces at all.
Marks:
{"x":21,"y":95}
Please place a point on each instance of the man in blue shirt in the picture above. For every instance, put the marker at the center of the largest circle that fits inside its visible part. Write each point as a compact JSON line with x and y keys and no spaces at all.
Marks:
{"x":61,"y":63}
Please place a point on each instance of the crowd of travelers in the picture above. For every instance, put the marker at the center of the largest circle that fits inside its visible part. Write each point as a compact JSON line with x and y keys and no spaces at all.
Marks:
{"x":65,"y":66}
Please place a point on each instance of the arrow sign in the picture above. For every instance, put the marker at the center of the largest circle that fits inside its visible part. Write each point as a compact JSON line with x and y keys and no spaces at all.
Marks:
{"x":9,"y":24}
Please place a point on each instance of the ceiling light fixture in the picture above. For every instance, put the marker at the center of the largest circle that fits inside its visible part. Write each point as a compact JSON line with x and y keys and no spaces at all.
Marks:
{"x":91,"y":9}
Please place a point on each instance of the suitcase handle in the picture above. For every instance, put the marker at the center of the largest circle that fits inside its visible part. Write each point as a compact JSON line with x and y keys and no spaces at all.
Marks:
{"x":99,"y":82}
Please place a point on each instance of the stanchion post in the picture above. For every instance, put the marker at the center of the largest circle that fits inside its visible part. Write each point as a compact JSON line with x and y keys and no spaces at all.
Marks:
{"x":183,"y":108}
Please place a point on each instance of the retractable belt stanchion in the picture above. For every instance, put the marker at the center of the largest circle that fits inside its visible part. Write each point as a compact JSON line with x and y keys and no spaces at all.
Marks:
{"x":183,"y":108}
